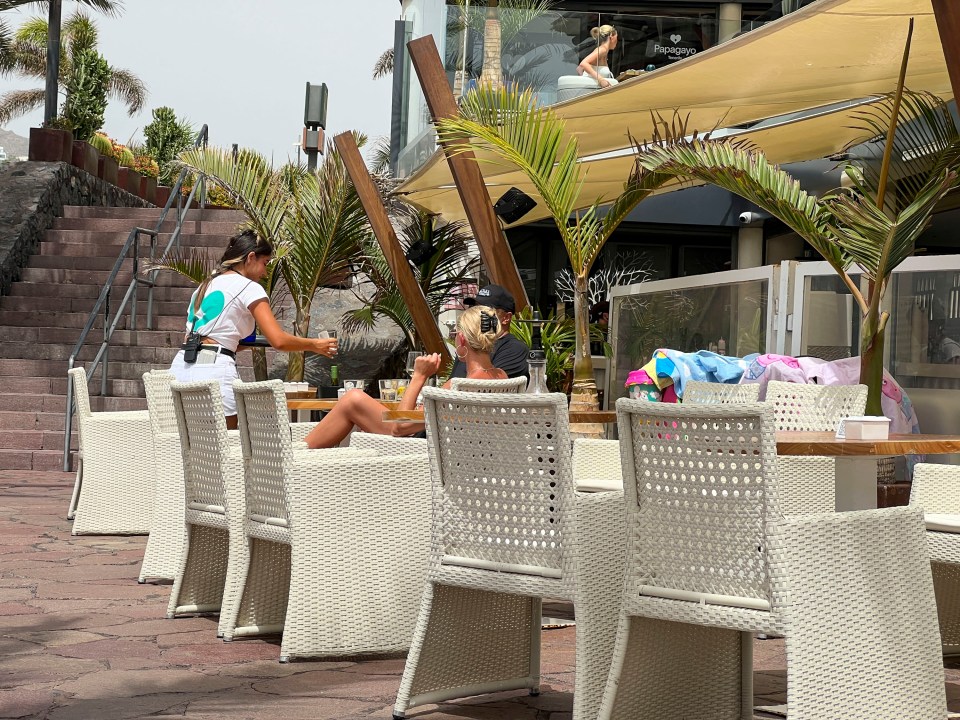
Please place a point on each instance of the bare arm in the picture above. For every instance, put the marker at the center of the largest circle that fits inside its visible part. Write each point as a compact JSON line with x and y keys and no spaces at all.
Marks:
{"x":589,"y":66}
{"x":281,"y":340}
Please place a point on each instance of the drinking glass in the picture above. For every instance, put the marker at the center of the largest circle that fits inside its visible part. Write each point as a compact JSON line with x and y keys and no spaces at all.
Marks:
{"x":412,"y":361}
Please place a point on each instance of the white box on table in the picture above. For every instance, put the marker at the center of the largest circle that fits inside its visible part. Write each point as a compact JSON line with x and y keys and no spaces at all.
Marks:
{"x":866,"y":427}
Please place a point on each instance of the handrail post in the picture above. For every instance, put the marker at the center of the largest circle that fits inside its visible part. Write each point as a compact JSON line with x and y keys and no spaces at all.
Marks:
{"x":106,"y":346}
{"x":133,"y":280}
{"x":69,"y":419}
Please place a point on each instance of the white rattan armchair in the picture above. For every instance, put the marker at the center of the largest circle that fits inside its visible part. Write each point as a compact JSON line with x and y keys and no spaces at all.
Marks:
{"x":808,"y":484}
{"x":508,"y":385}
{"x":113,"y":491}
{"x":698,"y":391}
{"x":214,"y":550}
{"x":508,"y":530}
{"x":315,"y":526}
{"x":710,"y":560}
{"x":165,"y":544}
{"x":936,"y":489}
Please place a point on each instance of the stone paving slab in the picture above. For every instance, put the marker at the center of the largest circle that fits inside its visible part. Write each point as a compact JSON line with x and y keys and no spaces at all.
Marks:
{"x":80,"y":639}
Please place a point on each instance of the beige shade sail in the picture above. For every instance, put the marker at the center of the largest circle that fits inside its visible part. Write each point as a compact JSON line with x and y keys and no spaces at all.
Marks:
{"x":828,"y":52}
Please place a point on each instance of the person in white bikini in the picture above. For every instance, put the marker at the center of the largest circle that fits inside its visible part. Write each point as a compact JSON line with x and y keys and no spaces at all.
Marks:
{"x":596,"y":64}
{"x":477,"y":332}
{"x":226,"y":308}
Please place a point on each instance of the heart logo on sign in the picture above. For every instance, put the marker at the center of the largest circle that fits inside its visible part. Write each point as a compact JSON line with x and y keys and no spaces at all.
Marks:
{"x":675,"y":39}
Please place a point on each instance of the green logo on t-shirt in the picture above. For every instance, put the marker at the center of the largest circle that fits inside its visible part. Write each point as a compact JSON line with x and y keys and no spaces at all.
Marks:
{"x":210,"y":308}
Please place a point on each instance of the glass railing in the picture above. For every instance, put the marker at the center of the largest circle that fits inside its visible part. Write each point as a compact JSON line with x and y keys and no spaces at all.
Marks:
{"x":778,"y":10}
{"x":540,"y":49}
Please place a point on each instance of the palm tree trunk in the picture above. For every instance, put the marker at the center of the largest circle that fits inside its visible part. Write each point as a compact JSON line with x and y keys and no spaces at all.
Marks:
{"x":583,"y":398}
{"x":492,"y":72}
{"x":872,"y":337}
{"x":259,"y":364}
{"x":295,"y":362}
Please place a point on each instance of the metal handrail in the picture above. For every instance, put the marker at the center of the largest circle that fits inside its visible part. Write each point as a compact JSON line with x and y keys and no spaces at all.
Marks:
{"x":103,"y":301}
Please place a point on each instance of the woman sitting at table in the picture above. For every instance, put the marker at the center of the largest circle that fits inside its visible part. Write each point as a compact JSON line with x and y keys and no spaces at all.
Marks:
{"x":477,"y":332}
{"x":597,"y":63}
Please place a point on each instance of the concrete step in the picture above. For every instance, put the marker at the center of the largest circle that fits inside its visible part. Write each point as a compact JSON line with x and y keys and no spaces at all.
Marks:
{"x":86,"y":211}
{"x":37,"y":439}
{"x":161,"y":293}
{"x":85,"y":304}
{"x":27,"y":420}
{"x":118,"y":353}
{"x":52,"y":399}
{"x":70,"y":336}
{"x":214,"y":245}
{"x":46,"y":460}
{"x":125,"y":226}
{"x":26,"y":318}
{"x":14,"y":367}
{"x":97,"y":277}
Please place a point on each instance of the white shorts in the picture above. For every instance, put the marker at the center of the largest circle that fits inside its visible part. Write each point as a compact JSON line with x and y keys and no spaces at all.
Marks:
{"x":210,"y":366}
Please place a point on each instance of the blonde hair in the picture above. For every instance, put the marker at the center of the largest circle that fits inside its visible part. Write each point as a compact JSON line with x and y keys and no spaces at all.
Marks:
{"x":602,"y":33}
{"x":469,"y":326}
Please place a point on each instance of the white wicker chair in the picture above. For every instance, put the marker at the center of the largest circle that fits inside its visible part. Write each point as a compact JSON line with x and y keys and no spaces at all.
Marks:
{"x":113,"y":491}
{"x":316,"y":535}
{"x":214,"y":550}
{"x":508,"y":385}
{"x":165,"y":544}
{"x":508,"y":530}
{"x":710,"y":560}
{"x":936,"y":489}
{"x":596,"y":465}
{"x":808,"y":484}
{"x":698,"y":391}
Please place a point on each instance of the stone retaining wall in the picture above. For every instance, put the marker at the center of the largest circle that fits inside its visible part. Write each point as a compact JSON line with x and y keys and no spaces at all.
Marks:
{"x":32,"y":194}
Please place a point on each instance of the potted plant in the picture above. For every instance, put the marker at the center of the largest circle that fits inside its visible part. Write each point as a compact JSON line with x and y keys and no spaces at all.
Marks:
{"x":127,"y":177}
{"x":149,"y":170}
{"x":107,"y":166}
{"x":53,"y":142}
{"x":85,"y":156}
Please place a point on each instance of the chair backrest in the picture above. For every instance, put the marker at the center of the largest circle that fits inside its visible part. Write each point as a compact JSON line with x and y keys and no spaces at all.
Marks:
{"x":698,"y":391}
{"x":814,"y":408}
{"x":507,"y":385}
{"x":503,"y":483}
{"x":203,"y":441}
{"x":699,"y":487}
{"x":265,"y":438}
{"x":163,"y":418}
{"x":81,"y":395}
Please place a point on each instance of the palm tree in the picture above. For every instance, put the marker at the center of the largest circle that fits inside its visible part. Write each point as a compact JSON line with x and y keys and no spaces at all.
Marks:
{"x":509,"y":124}
{"x":384,"y":64}
{"x":867,"y":228}
{"x":313,"y":219}
{"x":447,"y":267}
{"x":27,"y":55}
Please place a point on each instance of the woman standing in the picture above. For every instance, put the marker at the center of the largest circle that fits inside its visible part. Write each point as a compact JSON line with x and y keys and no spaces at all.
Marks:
{"x":596,"y":64}
{"x":226,"y":308}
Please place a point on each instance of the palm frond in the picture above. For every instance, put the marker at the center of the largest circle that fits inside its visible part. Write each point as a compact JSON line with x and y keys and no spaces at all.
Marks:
{"x":107,"y":7}
{"x":193,"y":263}
{"x":384,"y":64}
{"x":15,"y":103}
{"x":380,"y":156}
{"x":925,"y":143}
{"x":128,"y":88}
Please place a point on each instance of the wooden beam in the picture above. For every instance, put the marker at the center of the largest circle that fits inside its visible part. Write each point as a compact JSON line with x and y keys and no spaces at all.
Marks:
{"x":494,"y":248}
{"x":947,"y":13}
{"x":423,"y":319}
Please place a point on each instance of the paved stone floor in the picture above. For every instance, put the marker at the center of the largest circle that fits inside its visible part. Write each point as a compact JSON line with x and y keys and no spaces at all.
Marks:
{"x":80,"y":639}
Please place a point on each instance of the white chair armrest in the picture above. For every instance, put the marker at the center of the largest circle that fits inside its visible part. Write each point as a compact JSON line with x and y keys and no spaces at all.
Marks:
{"x":942,"y":522}
{"x":387,"y":444}
{"x":300,"y":430}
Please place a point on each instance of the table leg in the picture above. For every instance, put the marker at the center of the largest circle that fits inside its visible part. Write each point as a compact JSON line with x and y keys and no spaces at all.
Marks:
{"x":856,"y":483}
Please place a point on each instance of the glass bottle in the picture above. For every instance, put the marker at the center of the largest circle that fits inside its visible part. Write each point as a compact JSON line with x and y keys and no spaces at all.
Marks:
{"x":334,"y":376}
{"x":537,"y":359}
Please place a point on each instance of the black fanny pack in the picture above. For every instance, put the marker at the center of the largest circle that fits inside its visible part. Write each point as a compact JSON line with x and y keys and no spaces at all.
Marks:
{"x":194,"y":345}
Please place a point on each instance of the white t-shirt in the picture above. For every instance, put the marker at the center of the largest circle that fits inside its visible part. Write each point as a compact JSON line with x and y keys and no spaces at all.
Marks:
{"x":224,"y":314}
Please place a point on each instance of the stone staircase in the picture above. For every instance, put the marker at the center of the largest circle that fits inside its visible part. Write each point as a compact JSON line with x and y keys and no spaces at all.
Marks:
{"x":42,"y":317}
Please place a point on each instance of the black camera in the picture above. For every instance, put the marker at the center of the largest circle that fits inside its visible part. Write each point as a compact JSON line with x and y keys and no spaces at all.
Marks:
{"x":191,"y":347}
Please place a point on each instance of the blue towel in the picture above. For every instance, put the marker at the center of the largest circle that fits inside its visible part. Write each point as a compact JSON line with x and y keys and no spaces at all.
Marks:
{"x":705,"y":366}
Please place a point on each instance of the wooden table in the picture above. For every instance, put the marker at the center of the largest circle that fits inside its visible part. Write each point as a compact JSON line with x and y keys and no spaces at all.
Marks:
{"x":856,"y":470}
{"x":575,"y":417}
{"x":302,"y":407}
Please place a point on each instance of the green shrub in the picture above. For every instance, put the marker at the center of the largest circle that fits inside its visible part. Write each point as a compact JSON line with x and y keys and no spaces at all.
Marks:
{"x":103,"y":144}
{"x":87,"y":93}
{"x":146,"y":166}
{"x":167,"y":136}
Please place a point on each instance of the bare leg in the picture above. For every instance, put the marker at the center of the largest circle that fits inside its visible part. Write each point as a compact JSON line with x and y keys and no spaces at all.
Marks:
{"x":354,"y":408}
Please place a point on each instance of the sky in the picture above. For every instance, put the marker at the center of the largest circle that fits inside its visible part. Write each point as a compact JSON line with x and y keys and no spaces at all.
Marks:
{"x":242,"y":66}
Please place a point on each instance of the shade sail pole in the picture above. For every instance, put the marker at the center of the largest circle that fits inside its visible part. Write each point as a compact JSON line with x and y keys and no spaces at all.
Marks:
{"x":410,"y":289}
{"x":494,"y":250}
{"x":947,"y":13}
